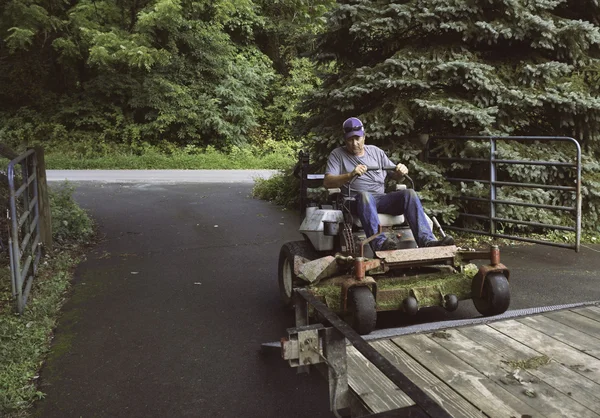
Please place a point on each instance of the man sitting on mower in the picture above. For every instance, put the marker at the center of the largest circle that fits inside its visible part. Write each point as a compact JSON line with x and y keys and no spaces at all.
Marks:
{"x":351,"y":160}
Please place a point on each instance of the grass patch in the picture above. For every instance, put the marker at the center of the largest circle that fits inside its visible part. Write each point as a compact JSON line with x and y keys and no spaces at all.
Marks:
{"x":25,"y":339}
{"x":469,"y":240}
{"x":267,"y":155}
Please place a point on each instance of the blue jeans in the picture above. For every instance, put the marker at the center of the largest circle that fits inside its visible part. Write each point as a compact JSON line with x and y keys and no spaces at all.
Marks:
{"x":402,"y":202}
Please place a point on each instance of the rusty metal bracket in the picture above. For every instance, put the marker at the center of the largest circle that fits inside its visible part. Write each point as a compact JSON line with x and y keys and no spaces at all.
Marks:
{"x":484,"y":270}
{"x":314,"y":344}
{"x":367,"y":240}
{"x":302,"y":347}
{"x":495,"y":266}
{"x":371,"y":264}
{"x":351,"y":282}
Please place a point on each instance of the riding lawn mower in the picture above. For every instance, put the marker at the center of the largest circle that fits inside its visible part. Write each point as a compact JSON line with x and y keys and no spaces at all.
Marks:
{"x":335,"y":262}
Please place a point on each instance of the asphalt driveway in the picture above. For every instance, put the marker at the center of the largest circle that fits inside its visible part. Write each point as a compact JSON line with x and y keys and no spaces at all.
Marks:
{"x":168,"y":312}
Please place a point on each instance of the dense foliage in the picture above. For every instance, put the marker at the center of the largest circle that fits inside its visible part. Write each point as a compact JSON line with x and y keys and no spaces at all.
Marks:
{"x":101,"y":76}
{"x":483,"y":67}
{"x":190,"y":72}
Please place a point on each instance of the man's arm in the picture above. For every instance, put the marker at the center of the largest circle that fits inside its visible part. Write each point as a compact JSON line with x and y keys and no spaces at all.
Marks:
{"x":332,"y":181}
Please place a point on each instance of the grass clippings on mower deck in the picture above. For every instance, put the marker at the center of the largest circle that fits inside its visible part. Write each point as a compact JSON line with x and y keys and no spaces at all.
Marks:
{"x":427,"y":288}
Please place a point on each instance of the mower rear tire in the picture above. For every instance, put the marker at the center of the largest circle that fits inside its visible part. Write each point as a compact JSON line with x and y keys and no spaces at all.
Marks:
{"x":495,"y":297}
{"x":286,"y":277}
{"x":361,"y":304}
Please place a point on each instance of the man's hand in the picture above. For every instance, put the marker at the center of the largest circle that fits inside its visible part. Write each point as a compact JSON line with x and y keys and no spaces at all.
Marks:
{"x":401,"y":169}
{"x":359,"y":170}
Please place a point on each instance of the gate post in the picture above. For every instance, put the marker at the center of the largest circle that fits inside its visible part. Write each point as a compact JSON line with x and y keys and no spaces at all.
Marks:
{"x":492,"y":186}
{"x":44,"y":202}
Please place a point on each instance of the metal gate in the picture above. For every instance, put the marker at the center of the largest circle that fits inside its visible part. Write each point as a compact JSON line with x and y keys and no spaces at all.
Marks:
{"x":494,"y":166}
{"x":25,"y":247}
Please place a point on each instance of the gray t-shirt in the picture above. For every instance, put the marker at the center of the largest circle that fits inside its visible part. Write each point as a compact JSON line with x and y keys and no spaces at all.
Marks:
{"x":340,"y":161}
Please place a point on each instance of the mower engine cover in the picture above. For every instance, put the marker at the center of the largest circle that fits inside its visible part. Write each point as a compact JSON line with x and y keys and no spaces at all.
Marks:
{"x":313,"y":226}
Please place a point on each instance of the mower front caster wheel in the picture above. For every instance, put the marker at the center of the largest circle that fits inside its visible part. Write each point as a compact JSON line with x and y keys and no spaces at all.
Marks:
{"x":495,"y":296}
{"x":286,"y":277}
{"x":361,"y":304}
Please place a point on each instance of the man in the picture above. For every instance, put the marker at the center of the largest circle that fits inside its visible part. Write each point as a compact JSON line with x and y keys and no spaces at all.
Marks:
{"x":351,"y":160}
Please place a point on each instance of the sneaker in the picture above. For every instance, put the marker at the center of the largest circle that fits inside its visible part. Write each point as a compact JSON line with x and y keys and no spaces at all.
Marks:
{"x":447,"y":240}
{"x":388,"y":245}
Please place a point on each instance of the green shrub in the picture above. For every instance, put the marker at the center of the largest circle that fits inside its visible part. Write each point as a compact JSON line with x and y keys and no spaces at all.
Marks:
{"x":25,"y":339}
{"x":263,"y":153}
{"x":70,"y":223}
{"x":281,"y":189}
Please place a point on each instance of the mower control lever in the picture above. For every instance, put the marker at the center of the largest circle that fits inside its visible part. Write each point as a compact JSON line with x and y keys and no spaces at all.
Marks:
{"x":376,"y":167}
{"x":391,"y":168}
{"x":386,"y":168}
{"x":438,"y":226}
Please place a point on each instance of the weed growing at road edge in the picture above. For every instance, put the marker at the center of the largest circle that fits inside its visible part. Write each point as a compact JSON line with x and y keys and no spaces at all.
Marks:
{"x":25,"y":339}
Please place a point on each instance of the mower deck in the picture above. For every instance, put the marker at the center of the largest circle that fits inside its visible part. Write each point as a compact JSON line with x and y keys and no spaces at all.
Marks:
{"x":428,"y":289}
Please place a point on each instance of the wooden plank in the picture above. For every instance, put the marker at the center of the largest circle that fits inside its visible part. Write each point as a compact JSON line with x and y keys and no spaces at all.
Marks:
{"x":559,"y":376}
{"x":452,"y":402}
{"x":521,"y":383}
{"x":579,"y":362}
{"x":577,"y":321}
{"x":564,"y":333}
{"x":377,"y":391}
{"x":485,"y":394}
{"x":418,"y":254}
{"x":592,"y":312}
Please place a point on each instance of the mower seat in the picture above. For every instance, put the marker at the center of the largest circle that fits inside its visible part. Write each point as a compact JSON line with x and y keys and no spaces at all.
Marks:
{"x":384,"y":220}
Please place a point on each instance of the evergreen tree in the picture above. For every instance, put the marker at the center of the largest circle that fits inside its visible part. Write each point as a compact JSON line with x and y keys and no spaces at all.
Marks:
{"x":289,"y":29}
{"x":453,"y":67}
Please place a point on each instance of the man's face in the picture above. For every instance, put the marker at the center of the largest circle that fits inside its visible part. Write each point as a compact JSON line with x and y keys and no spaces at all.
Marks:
{"x":355,"y":145}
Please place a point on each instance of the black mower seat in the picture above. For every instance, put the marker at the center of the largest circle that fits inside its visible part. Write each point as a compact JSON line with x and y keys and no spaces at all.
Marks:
{"x":384,"y":220}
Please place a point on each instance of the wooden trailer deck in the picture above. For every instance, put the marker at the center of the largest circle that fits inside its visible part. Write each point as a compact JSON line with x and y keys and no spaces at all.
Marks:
{"x":544,"y":365}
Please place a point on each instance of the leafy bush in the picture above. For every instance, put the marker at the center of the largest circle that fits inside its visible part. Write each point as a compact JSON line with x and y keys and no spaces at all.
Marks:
{"x":263,"y":153}
{"x":281,"y":189}
{"x":70,"y":223}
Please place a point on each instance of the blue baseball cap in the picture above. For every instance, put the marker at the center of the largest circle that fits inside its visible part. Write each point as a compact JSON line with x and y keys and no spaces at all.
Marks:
{"x":353,"y":127}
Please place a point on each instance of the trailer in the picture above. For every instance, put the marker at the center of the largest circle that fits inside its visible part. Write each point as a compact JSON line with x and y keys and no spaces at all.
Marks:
{"x":532,"y":362}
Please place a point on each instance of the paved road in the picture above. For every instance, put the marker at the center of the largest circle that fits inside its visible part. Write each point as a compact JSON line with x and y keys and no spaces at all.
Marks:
{"x":168,"y":312}
{"x":160,"y":176}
